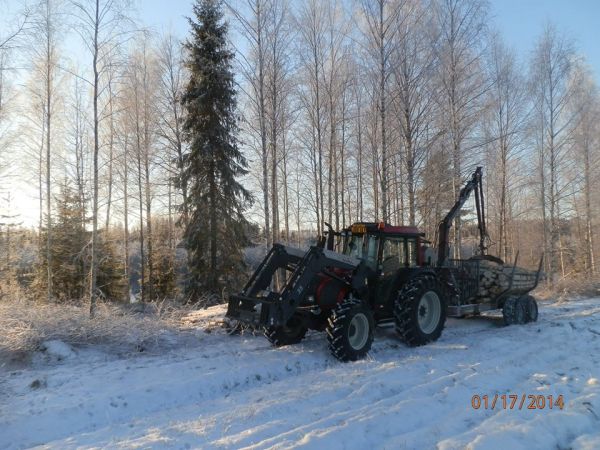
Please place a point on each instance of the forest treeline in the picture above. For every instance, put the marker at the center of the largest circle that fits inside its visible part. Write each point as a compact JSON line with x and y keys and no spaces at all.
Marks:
{"x":347,"y":110}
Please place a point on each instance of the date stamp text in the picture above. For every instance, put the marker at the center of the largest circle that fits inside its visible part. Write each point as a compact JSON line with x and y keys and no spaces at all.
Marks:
{"x":516,"y":401}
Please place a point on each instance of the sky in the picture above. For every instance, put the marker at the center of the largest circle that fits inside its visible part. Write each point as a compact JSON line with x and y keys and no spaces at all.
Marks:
{"x":520,"y":22}
{"x":168,"y":15}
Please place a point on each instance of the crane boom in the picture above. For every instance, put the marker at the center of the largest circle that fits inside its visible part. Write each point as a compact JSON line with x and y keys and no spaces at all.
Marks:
{"x":474,"y":184}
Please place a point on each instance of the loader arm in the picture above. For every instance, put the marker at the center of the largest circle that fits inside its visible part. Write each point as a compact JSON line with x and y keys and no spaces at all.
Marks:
{"x":473,"y":185}
{"x":276,"y":308}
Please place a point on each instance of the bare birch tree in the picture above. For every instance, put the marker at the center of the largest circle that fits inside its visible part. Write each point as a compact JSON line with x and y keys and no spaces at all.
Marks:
{"x":552,"y":68}
{"x":44,"y":51}
{"x":505,"y":127}
{"x":170,"y":88}
{"x":416,"y":92}
{"x":278,"y":88}
{"x":10,"y":38}
{"x":462,"y":27}
{"x":311,"y":21}
{"x":100,"y":26}
{"x":254,"y":66}
{"x":586,"y":141}
{"x":336,"y":84}
{"x":382,"y":17}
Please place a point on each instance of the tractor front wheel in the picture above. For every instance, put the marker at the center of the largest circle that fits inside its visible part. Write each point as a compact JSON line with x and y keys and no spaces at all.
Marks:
{"x":291,"y":333}
{"x":420,"y":310}
{"x":350,"y":330}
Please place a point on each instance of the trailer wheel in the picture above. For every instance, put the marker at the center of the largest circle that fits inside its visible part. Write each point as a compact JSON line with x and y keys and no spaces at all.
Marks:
{"x":420,"y":310}
{"x":508,"y":311}
{"x":350,"y":330}
{"x":514,"y":311}
{"x":291,"y":333}
{"x":520,"y":312}
{"x":531,"y":309}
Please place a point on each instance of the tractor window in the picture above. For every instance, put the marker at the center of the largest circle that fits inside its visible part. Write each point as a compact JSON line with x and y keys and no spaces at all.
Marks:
{"x":394,"y":254}
{"x":372,"y":250}
{"x":412,"y":252}
{"x":354,"y":246}
{"x":363,"y":246}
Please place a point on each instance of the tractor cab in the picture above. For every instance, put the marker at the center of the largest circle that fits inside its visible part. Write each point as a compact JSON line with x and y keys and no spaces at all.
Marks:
{"x":392,"y":253}
{"x":385,"y":248}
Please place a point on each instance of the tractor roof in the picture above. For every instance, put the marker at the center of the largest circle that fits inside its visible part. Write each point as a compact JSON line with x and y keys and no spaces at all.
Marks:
{"x":364,"y":227}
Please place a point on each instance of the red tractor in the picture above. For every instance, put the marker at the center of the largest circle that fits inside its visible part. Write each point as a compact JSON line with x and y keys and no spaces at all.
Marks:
{"x":383,"y":274}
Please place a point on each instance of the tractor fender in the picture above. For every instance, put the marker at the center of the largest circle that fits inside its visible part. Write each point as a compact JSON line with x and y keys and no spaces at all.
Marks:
{"x":404,"y":275}
{"x":400,"y":278}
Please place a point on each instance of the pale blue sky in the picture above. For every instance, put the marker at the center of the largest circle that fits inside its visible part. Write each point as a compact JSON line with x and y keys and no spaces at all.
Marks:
{"x":522,"y":21}
{"x":165,"y":15}
{"x":519,"y":21}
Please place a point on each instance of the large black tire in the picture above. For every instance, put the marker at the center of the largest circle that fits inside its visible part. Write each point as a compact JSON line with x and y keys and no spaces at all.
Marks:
{"x":520,"y":312}
{"x":531,"y":309}
{"x":350,"y":330}
{"x":420,"y":310}
{"x":514,"y":311}
{"x":508,"y":311}
{"x":292,"y":333}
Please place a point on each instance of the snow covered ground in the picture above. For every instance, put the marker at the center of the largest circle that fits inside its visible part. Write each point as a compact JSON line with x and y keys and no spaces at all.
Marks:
{"x":238,"y":392}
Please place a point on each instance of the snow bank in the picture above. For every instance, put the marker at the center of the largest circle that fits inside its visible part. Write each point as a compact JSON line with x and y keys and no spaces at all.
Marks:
{"x":57,"y":350}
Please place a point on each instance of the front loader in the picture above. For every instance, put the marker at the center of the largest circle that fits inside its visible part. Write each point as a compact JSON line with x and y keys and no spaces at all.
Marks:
{"x":383,"y":274}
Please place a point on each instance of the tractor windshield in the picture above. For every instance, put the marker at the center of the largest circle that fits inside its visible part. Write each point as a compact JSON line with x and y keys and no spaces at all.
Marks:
{"x":363,"y":246}
{"x":354,"y":246}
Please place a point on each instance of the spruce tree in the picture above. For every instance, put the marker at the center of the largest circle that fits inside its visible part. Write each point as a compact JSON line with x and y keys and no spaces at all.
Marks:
{"x":214,"y":235}
{"x":69,"y":255}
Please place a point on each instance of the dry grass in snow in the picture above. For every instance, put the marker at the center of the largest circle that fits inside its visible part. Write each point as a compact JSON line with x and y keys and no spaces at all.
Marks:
{"x":571,"y":288}
{"x":25,"y":326}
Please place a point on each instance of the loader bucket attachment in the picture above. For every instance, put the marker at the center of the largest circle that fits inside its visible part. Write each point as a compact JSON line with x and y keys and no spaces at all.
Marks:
{"x":257,"y":290}
{"x":259,"y":305}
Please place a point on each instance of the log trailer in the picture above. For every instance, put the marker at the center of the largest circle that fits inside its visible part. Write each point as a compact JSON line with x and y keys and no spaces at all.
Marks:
{"x":383,"y":274}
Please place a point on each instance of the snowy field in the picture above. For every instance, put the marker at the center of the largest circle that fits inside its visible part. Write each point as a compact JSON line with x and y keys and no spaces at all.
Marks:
{"x":225,"y":391}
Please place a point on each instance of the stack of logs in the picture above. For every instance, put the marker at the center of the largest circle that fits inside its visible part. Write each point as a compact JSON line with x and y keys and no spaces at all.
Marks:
{"x":494,"y":279}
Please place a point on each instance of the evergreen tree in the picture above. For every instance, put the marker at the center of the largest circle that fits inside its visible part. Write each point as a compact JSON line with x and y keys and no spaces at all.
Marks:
{"x":67,"y":251}
{"x":163,"y":256}
{"x":110,"y":282}
{"x":70,"y":255}
{"x":215,"y":233}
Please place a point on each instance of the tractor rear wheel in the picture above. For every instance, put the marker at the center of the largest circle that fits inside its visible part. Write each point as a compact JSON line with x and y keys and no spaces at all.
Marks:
{"x":291,"y":333}
{"x":420,"y":310}
{"x":350,"y":330}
